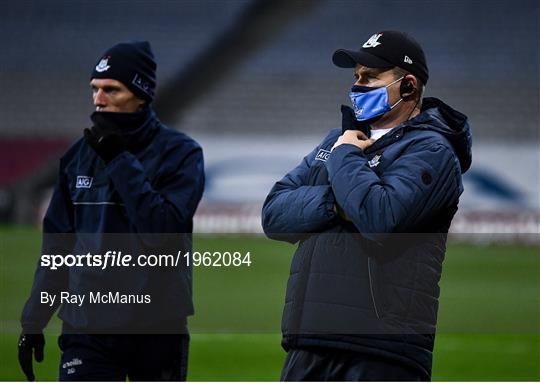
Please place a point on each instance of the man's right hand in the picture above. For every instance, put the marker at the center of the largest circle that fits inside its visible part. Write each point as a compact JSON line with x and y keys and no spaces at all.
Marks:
{"x":353,"y":137}
{"x":30,"y":345}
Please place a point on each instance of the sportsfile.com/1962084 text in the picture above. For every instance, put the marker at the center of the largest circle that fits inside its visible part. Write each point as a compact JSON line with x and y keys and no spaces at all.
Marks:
{"x":118,"y":259}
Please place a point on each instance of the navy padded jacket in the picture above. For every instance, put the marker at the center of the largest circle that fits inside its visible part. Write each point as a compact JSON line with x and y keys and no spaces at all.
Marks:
{"x":369,"y":283}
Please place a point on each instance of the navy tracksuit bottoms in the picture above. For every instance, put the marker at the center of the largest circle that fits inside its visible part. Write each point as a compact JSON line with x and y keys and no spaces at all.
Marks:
{"x":325,"y":364}
{"x":152,"y":357}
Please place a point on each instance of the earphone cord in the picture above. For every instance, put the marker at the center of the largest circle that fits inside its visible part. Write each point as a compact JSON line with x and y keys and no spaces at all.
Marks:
{"x":415,"y":105}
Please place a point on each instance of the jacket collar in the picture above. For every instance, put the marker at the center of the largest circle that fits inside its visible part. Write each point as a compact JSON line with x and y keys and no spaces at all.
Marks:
{"x":441,"y":118}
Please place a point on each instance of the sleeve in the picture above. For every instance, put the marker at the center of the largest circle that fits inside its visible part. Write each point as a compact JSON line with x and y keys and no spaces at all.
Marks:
{"x":294,"y":207}
{"x":424,"y":179}
{"x":169,"y":205}
{"x":58,"y":238}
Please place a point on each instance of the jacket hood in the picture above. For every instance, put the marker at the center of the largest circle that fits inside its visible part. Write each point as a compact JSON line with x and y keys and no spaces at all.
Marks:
{"x":439,"y":117}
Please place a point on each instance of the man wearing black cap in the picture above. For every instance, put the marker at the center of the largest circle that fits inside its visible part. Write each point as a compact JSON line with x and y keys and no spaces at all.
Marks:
{"x":131,"y":176}
{"x":371,"y":207}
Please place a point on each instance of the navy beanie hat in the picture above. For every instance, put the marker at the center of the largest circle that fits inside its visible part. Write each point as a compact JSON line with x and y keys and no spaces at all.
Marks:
{"x":132,"y":64}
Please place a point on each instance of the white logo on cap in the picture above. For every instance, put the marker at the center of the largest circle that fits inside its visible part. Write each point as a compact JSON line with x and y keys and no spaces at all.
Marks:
{"x":407,"y":59}
{"x":103,"y":65}
{"x":372,"y":42}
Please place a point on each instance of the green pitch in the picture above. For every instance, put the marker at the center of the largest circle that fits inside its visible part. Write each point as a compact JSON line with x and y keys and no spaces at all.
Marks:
{"x":489,"y":315}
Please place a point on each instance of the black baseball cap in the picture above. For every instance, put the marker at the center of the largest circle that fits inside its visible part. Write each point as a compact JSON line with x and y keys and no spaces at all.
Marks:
{"x":386,"y":49}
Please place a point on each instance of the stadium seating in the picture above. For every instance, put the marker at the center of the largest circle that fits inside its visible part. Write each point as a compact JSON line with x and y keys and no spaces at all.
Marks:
{"x":479,"y":61}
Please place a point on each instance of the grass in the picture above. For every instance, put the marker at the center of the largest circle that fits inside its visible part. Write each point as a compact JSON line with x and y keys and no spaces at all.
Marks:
{"x":489,"y":315}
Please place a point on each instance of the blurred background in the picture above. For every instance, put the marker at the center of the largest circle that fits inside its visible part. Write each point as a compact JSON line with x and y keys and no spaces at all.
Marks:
{"x":253,"y":82}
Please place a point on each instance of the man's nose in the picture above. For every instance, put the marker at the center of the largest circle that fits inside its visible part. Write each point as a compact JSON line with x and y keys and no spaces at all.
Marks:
{"x":99,"y":98}
{"x":360,"y":81}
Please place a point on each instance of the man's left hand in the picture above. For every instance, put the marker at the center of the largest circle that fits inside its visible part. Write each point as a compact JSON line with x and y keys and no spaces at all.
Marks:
{"x":354,"y":137}
{"x":107,"y":145}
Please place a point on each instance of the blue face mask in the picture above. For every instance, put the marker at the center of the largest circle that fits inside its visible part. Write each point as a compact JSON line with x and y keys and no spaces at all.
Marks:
{"x":371,"y":102}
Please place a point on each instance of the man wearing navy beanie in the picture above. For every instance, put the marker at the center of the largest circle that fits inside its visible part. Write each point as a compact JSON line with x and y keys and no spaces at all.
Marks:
{"x":133,"y":65}
{"x":132,"y":176}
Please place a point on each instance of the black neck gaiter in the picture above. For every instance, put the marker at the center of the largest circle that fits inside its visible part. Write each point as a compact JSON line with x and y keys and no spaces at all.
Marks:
{"x":120,"y":123}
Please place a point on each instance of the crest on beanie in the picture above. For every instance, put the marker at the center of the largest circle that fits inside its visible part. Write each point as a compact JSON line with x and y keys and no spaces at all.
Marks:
{"x":103,"y":65}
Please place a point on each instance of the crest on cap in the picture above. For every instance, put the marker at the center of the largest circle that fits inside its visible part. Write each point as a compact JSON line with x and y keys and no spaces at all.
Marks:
{"x":372,"y":41}
{"x":103,"y":65}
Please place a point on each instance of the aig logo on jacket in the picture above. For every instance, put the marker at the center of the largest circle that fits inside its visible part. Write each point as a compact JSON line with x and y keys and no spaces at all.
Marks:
{"x":322,"y":155}
{"x":83,"y":182}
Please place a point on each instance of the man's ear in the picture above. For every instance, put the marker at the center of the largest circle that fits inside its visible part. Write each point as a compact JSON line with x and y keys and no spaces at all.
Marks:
{"x":409,"y":86}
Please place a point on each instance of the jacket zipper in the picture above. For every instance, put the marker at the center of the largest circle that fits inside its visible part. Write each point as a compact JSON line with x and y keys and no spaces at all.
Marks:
{"x":384,"y":142}
{"x":371,"y":288}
